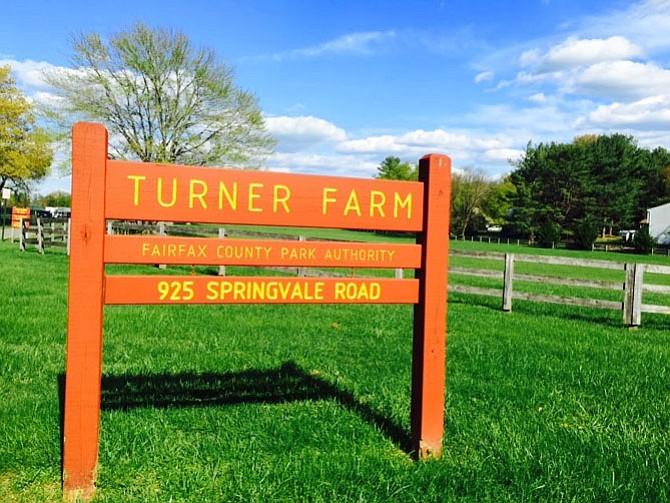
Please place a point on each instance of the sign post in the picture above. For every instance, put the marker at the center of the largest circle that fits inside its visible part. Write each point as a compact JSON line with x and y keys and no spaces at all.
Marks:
{"x":104,"y":189}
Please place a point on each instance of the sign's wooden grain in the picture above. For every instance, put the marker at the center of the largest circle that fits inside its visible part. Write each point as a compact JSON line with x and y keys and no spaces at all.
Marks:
{"x":103,"y":189}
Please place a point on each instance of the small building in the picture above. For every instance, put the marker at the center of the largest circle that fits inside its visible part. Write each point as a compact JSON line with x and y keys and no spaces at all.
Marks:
{"x":658,"y":219}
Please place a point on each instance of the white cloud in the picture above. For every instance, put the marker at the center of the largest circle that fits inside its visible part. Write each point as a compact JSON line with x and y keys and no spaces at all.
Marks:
{"x":329,"y":164}
{"x":538,"y":98}
{"x":372,"y":145}
{"x":576,"y":52}
{"x":646,"y":114}
{"x":362,"y":43}
{"x":644,"y":22}
{"x":484,"y":77}
{"x":296,"y":132}
{"x":621,"y":79}
{"x":29,"y":74}
{"x":503,"y":154}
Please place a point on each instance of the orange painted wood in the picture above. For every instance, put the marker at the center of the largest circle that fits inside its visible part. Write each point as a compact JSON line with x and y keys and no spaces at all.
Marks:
{"x":144,"y":191}
{"x":430,"y":314}
{"x":85,"y":310}
{"x":122,"y":190}
{"x":207,"y":251}
{"x":257,"y":290}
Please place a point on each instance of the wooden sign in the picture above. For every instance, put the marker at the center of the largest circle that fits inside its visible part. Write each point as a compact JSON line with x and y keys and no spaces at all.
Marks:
{"x":104,"y":189}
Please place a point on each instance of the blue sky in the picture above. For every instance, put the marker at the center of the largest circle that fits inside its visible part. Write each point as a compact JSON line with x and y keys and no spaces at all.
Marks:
{"x":345,"y":83}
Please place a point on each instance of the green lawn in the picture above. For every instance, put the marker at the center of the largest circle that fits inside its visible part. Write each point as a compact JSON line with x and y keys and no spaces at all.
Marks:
{"x":311,"y":403}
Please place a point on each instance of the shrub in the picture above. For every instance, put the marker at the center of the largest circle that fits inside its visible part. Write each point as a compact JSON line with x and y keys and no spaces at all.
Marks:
{"x":548,"y":234}
{"x":586,"y":233}
{"x":643,"y":242}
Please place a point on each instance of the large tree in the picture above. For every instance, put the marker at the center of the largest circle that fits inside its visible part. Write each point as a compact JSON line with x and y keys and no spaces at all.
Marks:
{"x":162,"y":99}
{"x":25,"y":152}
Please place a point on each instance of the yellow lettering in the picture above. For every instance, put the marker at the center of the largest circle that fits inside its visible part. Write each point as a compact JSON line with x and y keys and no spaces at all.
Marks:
{"x":136,"y":192}
{"x":326,"y":199}
{"x":232,"y":200}
{"x":212,"y":293}
{"x":226,"y":288}
{"x":253,"y":195}
{"x":145,"y":249}
{"x":173,"y":201}
{"x":238,"y":290}
{"x":377,"y":201}
{"x":283,"y":200}
{"x":352,"y":204}
{"x":402,"y":203}
{"x":375,"y":291}
{"x":193,"y":195}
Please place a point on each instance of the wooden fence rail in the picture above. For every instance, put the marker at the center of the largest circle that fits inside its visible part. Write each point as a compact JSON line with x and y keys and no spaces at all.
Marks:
{"x":633,"y":286}
{"x":45,"y":232}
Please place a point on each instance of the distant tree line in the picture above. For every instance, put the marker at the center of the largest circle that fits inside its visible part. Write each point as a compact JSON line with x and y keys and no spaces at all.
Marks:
{"x":596,"y":185}
{"x":476,"y":200}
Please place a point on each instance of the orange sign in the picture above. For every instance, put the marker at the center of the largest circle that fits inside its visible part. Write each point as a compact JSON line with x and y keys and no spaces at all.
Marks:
{"x":19,"y":214}
{"x":104,"y":189}
{"x":175,"y":194}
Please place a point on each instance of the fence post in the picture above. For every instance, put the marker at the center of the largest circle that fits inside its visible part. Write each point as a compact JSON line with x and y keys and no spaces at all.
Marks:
{"x":40,"y":236}
{"x":222,"y":235}
{"x":161,"y":232}
{"x":399,"y":274}
{"x":302,"y":270}
{"x":69,"y":235}
{"x":22,"y":235}
{"x":632,"y":304}
{"x":508,"y":279}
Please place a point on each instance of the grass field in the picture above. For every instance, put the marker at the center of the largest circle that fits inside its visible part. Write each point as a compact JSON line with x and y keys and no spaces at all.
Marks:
{"x":311,"y":403}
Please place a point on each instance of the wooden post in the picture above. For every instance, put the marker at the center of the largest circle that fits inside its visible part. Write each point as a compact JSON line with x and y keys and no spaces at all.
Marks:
{"x":85,"y":311}
{"x":22,"y":235}
{"x":69,"y":235}
{"x":430,"y":314}
{"x":161,"y":232}
{"x":222,"y":235}
{"x":40,"y":236}
{"x":302,"y":270}
{"x":632,"y":304}
{"x":508,"y":280}
{"x":636,"y":311}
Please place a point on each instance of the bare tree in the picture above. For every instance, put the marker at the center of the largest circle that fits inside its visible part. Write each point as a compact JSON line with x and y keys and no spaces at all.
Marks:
{"x":469,"y":191}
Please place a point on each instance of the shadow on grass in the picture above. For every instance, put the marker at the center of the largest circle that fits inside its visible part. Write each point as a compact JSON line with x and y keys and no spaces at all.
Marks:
{"x":287,"y":383}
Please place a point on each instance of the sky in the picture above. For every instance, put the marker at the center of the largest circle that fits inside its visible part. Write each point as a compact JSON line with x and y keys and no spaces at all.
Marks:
{"x":345,"y":83}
